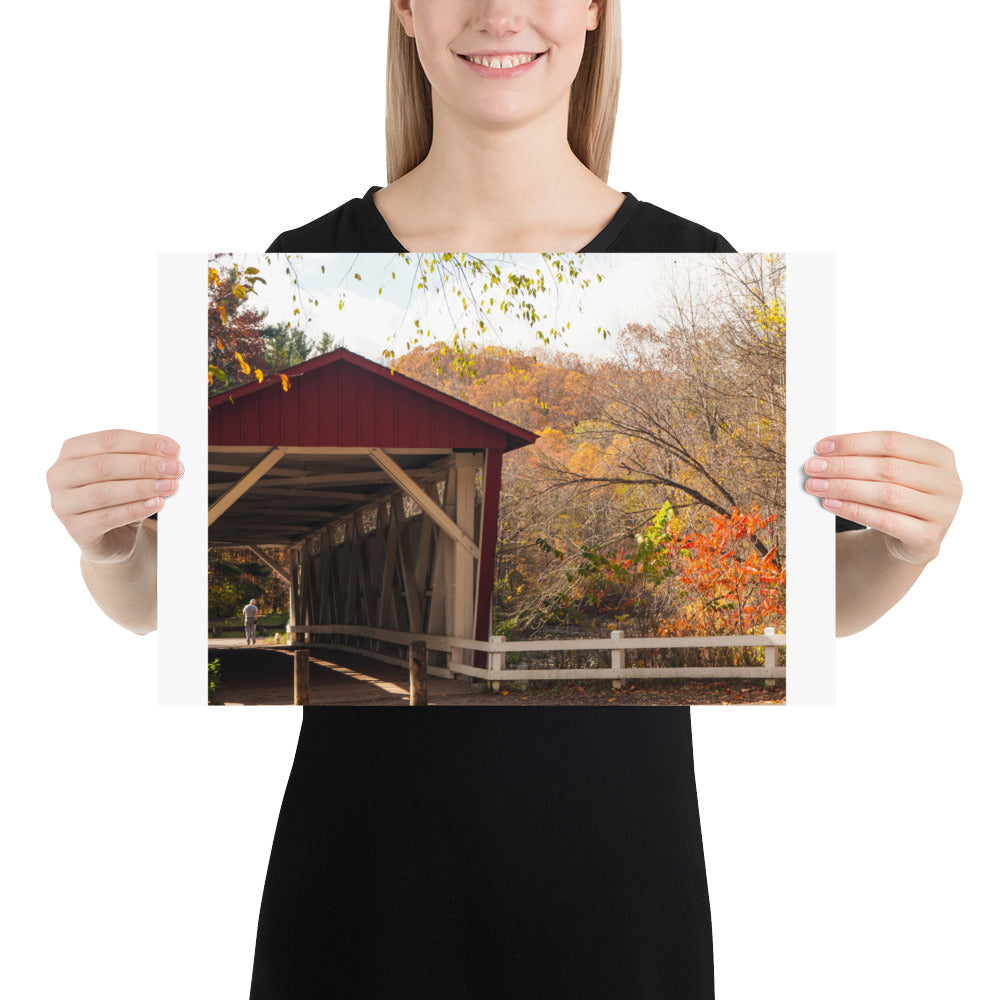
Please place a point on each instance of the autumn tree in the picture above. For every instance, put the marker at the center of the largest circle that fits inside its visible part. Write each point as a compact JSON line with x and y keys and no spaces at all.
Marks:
{"x":236,"y":348}
{"x":694,"y":404}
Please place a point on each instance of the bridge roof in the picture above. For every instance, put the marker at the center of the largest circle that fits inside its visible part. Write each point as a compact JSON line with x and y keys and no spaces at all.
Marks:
{"x":344,"y":400}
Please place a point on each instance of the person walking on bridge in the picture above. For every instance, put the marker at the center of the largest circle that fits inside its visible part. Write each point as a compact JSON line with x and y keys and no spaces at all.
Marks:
{"x":250,"y":621}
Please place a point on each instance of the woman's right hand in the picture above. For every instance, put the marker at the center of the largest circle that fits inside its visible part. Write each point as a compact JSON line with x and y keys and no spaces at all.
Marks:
{"x":104,"y":485}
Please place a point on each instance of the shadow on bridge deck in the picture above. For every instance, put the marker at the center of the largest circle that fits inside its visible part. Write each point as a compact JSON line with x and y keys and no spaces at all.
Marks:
{"x":262,"y":675}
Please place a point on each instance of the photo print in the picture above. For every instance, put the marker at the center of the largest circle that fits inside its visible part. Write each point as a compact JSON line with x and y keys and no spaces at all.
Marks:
{"x":519,"y":480}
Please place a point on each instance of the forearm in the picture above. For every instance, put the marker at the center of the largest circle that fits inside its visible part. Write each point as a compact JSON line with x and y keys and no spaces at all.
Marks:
{"x":870,"y":580}
{"x":126,"y":591}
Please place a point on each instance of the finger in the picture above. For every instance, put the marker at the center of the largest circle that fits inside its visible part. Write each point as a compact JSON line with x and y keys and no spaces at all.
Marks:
{"x":883,"y":496}
{"x":89,"y":528}
{"x":886,"y":443}
{"x":128,"y":442}
{"x":97,"y":496}
{"x":897,"y":471}
{"x":914,"y":532}
{"x":114,"y":466}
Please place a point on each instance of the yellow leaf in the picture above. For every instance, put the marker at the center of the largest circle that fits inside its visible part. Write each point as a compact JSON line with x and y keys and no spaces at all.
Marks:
{"x":218,"y":344}
{"x":259,"y":374}
{"x":222,"y":313}
{"x":284,"y":382}
{"x":243,"y":364}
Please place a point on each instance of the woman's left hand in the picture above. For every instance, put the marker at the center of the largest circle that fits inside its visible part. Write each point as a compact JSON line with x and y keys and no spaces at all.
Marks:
{"x":903,"y":486}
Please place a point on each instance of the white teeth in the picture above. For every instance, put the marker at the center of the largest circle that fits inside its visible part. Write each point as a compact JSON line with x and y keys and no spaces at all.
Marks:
{"x":496,"y":62}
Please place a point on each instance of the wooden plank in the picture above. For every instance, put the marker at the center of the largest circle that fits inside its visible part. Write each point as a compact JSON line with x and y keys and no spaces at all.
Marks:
{"x":411,"y":592}
{"x":325,"y":585}
{"x":604,"y":674}
{"x":317,"y":450}
{"x":398,"y":529}
{"x":291,"y":492}
{"x":386,"y":600}
{"x":464,"y":579}
{"x":351,"y":602}
{"x":675,"y":642}
{"x":492,"y":473}
{"x":293,"y":589}
{"x":240,"y":469}
{"x":239,"y":488}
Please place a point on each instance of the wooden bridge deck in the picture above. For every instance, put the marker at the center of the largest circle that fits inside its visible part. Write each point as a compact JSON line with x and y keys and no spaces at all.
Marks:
{"x":262,"y":675}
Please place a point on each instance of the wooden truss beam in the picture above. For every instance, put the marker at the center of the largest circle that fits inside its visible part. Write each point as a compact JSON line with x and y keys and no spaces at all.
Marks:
{"x":426,"y":504}
{"x":289,"y":492}
{"x":270,"y":563}
{"x":240,"y":487}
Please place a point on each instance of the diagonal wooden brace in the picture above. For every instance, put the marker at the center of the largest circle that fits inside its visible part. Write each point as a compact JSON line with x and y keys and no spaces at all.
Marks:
{"x":257,"y":471}
{"x":419,"y":497}
{"x":270,"y":563}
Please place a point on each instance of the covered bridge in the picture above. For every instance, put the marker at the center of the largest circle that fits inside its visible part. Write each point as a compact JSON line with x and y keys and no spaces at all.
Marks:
{"x":384,"y":491}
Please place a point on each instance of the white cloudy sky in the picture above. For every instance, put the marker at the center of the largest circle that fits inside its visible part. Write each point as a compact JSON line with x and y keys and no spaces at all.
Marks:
{"x":370,"y":320}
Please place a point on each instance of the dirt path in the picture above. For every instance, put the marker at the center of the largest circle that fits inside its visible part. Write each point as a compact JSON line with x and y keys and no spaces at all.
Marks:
{"x":262,"y":675}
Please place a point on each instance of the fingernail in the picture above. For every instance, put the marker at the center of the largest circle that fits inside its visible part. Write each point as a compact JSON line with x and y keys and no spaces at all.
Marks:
{"x":152,"y":503}
{"x":816,"y":465}
{"x":170,"y":468}
{"x":832,"y":504}
{"x":166,"y":485}
{"x":825,"y":446}
{"x":816,"y":485}
{"x":168,"y":447}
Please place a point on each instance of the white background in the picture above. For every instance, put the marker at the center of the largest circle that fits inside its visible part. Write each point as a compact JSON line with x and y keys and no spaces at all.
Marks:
{"x":851,"y":850}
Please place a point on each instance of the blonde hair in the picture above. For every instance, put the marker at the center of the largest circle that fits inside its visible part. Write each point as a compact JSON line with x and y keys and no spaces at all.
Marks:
{"x":593,"y":99}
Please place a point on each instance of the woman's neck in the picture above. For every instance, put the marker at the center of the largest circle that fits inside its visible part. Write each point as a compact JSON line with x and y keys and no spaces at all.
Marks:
{"x":498,"y":189}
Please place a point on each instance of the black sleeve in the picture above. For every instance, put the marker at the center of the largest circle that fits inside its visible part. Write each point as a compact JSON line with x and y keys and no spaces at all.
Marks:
{"x":844,"y":525}
{"x":275,"y":246}
{"x":722,"y":245}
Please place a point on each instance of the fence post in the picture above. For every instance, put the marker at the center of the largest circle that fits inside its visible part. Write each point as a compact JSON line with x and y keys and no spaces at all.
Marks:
{"x":418,"y":672}
{"x":291,"y":635}
{"x":617,"y":659}
{"x":300,"y":687}
{"x":770,"y":658}
{"x":497,"y":661}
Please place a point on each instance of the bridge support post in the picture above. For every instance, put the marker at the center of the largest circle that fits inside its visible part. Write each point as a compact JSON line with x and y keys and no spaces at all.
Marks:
{"x":300,"y":690}
{"x":418,"y":672}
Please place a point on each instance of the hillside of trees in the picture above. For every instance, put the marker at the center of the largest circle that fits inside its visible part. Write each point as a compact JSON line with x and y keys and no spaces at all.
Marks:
{"x":654,"y":497}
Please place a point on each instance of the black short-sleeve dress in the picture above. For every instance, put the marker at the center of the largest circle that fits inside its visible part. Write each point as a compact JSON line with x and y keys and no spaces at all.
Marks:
{"x":480,"y":853}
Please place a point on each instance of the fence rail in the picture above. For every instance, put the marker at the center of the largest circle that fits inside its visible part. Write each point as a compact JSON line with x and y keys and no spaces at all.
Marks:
{"x":497,"y":648}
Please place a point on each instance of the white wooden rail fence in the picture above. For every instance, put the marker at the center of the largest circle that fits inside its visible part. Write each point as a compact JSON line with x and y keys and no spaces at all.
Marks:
{"x":498,"y":647}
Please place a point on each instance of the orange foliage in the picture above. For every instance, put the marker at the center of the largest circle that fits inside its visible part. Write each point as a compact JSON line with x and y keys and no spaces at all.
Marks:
{"x":732,"y":588}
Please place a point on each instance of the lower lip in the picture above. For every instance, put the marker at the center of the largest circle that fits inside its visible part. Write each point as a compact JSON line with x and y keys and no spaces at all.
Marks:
{"x":502,"y":74}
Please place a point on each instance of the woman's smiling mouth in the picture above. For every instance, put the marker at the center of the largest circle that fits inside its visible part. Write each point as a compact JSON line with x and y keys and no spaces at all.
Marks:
{"x":500,"y":64}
